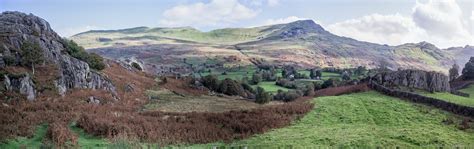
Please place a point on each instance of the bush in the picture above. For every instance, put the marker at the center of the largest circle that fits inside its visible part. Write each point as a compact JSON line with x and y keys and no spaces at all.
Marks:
{"x":315,"y":74}
{"x":262,"y":97}
{"x":329,"y":83}
{"x":256,"y":78}
{"x":309,"y":90}
{"x":136,"y":66}
{"x":9,"y":60}
{"x":95,"y":61}
{"x":346,"y":76}
{"x":287,"y":96}
{"x":211,"y":82}
{"x":231,"y":87}
{"x":286,"y":83}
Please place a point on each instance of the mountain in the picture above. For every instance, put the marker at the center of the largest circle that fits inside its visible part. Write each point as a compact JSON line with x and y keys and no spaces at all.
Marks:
{"x":462,"y":54}
{"x":302,"y":43}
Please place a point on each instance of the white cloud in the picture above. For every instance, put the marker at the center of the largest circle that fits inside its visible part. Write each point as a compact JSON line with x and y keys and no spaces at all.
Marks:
{"x":443,"y":18}
{"x":273,"y":3}
{"x":438,"y":22}
{"x":472,"y":15}
{"x":214,"y":13}
{"x":387,"y":29}
{"x":282,"y":20}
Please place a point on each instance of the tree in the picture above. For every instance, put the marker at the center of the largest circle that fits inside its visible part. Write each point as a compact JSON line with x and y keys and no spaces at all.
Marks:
{"x":31,"y":54}
{"x":256,"y":78}
{"x":231,"y":87}
{"x":329,"y":83}
{"x":468,"y":71}
{"x":309,"y":90}
{"x":454,"y":72}
{"x":211,"y":82}
{"x":319,"y":74}
{"x":262,"y":96}
{"x":346,"y":76}
{"x":360,"y":70}
{"x":312,"y":74}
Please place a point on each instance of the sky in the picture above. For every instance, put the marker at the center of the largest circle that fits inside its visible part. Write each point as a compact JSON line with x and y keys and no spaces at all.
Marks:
{"x":445,"y":23}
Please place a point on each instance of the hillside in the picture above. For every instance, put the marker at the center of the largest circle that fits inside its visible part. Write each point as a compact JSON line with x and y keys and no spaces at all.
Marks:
{"x":366,"y":120}
{"x":302,"y":43}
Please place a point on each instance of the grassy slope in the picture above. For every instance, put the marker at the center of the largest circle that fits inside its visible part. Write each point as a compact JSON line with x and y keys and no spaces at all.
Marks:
{"x":467,"y":101}
{"x":469,"y":90}
{"x":34,"y":142}
{"x":365,"y":119}
{"x":361,"y":119}
{"x":173,"y":35}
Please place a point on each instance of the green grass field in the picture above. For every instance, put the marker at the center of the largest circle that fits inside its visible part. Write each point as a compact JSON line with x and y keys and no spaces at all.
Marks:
{"x":467,"y":101}
{"x":270,"y":86}
{"x":367,"y":119}
{"x":34,"y":142}
{"x":469,"y":90}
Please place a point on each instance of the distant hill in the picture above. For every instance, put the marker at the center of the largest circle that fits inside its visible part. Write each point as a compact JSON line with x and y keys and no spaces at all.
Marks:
{"x":302,"y":43}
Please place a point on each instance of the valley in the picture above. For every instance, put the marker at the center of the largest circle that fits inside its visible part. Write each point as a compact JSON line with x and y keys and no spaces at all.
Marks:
{"x":293,"y":85}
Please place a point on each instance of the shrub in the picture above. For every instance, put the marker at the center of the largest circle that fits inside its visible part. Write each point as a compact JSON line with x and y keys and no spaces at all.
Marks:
{"x":211,"y":82}
{"x":95,"y":61}
{"x":262,"y":97}
{"x":287,"y":96}
{"x":286,"y":83}
{"x":329,"y":83}
{"x":315,"y":74}
{"x":360,"y":70}
{"x":9,"y":60}
{"x":231,"y":87}
{"x":256,"y":78}
{"x":309,"y":90}
{"x":345,"y":76}
{"x":136,"y":66}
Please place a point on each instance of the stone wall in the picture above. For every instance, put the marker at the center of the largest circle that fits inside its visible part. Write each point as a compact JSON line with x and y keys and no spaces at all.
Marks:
{"x":418,"y":79}
{"x":412,"y":97}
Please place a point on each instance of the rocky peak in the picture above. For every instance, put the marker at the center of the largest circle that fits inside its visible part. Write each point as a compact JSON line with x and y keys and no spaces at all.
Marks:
{"x":17,"y":28}
{"x":302,"y":27}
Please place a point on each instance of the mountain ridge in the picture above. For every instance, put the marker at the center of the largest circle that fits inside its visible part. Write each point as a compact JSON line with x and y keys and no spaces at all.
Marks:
{"x":303,"y":43}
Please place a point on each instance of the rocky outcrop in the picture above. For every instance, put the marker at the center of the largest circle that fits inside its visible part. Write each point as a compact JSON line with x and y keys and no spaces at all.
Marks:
{"x":17,"y":28}
{"x":22,"y":84}
{"x":418,"y":79}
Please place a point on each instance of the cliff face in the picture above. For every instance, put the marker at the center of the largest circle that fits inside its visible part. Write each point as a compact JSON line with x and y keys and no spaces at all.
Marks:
{"x":430,"y":81}
{"x":18,"y":28}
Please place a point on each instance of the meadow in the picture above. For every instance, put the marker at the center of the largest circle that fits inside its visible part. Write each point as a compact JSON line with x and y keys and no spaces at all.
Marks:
{"x":367,"y":119}
{"x":466,"y":101}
